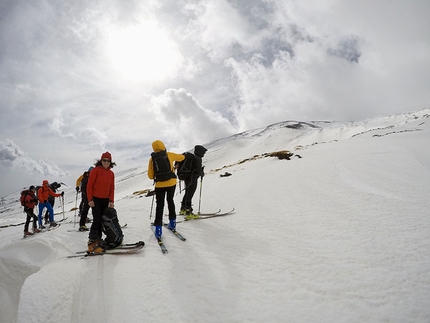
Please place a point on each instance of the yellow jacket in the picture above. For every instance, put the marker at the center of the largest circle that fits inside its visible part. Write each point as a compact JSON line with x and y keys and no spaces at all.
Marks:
{"x":158,"y":146}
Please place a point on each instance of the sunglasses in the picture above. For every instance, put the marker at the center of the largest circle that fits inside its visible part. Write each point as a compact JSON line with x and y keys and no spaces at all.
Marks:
{"x":106,"y":160}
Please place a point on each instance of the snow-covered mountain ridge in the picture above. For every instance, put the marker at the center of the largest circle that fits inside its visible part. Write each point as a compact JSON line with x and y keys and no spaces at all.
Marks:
{"x":339,"y":235}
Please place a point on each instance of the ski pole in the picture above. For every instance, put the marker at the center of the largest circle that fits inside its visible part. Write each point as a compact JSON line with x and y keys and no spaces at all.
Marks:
{"x":152,"y":206}
{"x":76,"y":208}
{"x":200,"y":195}
{"x":62,"y":199}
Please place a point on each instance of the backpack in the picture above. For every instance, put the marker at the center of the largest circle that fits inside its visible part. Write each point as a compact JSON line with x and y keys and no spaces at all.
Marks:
{"x":162,"y":169}
{"x":54,"y":186}
{"x":24,"y":194}
{"x":84,"y":183}
{"x":186,"y":167}
{"x":111,"y":228}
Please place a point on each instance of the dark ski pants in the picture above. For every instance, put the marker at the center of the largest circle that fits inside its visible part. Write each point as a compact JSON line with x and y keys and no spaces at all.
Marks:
{"x":160,"y":195}
{"x":30,"y":215}
{"x":83,"y":210}
{"x":96,"y":227}
{"x":190,"y":189}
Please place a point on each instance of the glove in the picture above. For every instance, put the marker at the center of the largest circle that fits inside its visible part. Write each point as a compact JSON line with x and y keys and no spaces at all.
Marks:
{"x":77,"y":189}
{"x":62,"y":193}
{"x":46,"y":201}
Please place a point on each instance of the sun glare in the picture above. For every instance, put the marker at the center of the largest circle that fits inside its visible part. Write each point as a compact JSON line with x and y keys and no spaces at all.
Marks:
{"x":143,"y":53}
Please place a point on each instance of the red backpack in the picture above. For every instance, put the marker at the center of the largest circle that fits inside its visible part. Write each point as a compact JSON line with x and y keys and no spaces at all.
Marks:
{"x":24,"y":194}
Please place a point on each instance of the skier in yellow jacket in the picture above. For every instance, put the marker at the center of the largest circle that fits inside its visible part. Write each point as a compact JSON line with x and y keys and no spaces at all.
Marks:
{"x":161,"y":170}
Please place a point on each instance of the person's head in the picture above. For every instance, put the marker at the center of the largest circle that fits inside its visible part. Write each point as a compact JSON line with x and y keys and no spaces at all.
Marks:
{"x":158,"y":145}
{"x":45,"y":183}
{"x":200,"y":151}
{"x":106,"y":161}
{"x":32,"y":188}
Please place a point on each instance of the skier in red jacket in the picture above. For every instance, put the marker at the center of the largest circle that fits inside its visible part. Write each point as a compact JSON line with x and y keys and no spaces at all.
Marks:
{"x":100,"y":194}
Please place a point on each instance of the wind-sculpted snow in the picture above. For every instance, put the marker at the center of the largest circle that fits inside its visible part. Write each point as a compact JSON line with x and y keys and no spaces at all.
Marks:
{"x":338,"y":235}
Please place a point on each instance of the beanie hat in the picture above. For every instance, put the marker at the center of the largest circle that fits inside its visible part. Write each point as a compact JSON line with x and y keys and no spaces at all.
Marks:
{"x":106,"y":155}
{"x":45,"y":182}
{"x":32,"y":188}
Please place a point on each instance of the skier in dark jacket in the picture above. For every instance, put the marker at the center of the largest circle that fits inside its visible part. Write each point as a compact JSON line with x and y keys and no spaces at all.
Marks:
{"x":81,"y":183}
{"x":191,"y":183}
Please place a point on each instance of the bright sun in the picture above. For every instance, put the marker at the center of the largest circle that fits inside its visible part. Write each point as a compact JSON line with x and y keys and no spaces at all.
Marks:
{"x":143,"y":53}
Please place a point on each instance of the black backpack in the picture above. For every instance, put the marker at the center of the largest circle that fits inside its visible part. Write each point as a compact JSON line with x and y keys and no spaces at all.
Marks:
{"x":111,"y":228}
{"x":162,"y":169}
{"x":84,"y":182}
{"x":186,"y":167}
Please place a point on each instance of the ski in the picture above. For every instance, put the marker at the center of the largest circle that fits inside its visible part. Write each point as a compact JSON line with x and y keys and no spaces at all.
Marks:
{"x":123,"y":249}
{"x":209,"y":214}
{"x":41,"y":231}
{"x":202,"y":216}
{"x":162,"y":246}
{"x":30,"y":236}
{"x":160,"y":241}
{"x":50,"y":228}
{"x":62,"y":219}
{"x":176,"y":233}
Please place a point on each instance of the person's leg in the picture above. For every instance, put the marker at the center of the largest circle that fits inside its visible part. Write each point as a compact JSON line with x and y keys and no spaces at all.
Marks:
{"x":160,"y":195}
{"x":41,"y":207}
{"x":84,"y":211}
{"x":191,"y":190}
{"x":27,"y":222}
{"x":186,"y":201}
{"x":51,"y":212}
{"x":170,"y":202}
{"x":97,"y":219}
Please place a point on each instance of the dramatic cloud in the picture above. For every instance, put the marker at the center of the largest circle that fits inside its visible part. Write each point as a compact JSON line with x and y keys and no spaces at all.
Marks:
{"x":183,"y":118}
{"x":12,"y":156}
{"x":78,"y":78}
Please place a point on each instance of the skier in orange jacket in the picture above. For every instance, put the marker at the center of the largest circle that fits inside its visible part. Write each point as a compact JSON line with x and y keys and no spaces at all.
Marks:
{"x":42,"y":196}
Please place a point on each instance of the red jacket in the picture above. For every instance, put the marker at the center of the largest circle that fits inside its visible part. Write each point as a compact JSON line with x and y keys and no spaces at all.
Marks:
{"x":30,"y":200}
{"x":44,"y":192}
{"x":101,"y":184}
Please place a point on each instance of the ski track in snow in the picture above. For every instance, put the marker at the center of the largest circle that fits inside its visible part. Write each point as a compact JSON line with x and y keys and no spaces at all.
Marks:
{"x":341,"y":235}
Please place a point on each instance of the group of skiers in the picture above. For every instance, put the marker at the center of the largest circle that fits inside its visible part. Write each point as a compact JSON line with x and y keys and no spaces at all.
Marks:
{"x":29,"y":199}
{"x":97,"y":186}
{"x":161,"y":169}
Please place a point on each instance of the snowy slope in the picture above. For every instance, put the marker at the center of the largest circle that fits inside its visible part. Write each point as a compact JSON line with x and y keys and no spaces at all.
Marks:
{"x":339,"y":235}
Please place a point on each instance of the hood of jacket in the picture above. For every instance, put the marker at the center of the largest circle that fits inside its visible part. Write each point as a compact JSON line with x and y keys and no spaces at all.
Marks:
{"x":158,"y":145}
{"x":199,"y":150}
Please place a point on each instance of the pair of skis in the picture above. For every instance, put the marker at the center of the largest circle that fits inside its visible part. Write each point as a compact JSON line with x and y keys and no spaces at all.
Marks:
{"x":122,"y":249}
{"x":180,"y":236}
{"x":160,"y":240}
{"x":203,"y":216}
{"x":41,"y":231}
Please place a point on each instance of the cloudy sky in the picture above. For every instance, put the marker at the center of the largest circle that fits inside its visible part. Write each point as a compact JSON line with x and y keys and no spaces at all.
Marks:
{"x":81,"y":77}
